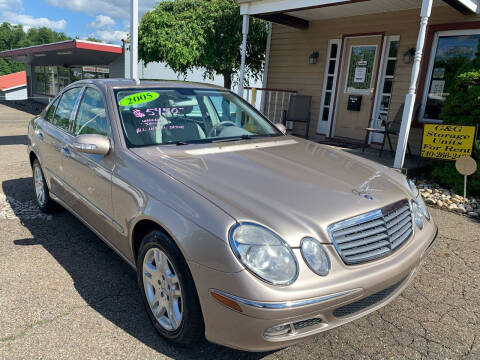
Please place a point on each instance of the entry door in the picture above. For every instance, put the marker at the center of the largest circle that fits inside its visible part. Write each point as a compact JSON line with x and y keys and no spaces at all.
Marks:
{"x":357,"y":88}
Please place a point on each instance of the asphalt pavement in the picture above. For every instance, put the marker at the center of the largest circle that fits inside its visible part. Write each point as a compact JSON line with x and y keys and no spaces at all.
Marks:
{"x":65,"y":295}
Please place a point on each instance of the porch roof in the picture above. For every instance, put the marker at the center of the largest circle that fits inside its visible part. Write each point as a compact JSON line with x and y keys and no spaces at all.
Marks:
{"x":298,"y":13}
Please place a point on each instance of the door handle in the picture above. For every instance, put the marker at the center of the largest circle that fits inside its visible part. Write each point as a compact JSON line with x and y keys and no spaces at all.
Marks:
{"x":65,"y":151}
{"x":39,"y":134}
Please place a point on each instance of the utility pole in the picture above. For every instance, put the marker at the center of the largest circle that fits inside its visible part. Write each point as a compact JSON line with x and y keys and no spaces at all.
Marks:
{"x":134,"y":40}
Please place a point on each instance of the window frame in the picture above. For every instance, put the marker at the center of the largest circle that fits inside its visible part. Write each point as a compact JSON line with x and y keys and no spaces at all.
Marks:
{"x":431,"y":62}
{"x":55,"y":99}
{"x":74,"y":110}
{"x":77,"y":110}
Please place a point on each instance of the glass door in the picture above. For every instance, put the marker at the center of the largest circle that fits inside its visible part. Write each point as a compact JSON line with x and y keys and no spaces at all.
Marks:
{"x":385,"y":86}
{"x":329,"y":86}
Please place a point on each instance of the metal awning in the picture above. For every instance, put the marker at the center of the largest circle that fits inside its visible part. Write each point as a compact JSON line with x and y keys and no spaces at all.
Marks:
{"x":69,"y":53}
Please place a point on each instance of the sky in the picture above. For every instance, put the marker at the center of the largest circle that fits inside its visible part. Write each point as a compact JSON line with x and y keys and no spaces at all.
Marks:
{"x":104,"y":20}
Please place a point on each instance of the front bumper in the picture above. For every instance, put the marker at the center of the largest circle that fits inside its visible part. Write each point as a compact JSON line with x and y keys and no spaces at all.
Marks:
{"x":309,"y":309}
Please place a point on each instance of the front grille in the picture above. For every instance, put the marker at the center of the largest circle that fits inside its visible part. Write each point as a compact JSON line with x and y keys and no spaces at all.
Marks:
{"x":367,"y":302}
{"x":306,"y":323}
{"x":373,"y":235}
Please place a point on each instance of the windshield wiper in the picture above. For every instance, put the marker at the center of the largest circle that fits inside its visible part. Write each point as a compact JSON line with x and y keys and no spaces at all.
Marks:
{"x":243,"y":137}
{"x":181,"y":143}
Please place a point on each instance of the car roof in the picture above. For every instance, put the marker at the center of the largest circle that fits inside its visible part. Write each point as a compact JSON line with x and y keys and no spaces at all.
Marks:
{"x":129,"y":83}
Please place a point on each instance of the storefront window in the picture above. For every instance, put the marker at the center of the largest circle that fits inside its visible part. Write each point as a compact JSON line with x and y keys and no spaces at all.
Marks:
{"x":39,"y":79}
{"x":450,"y":53}
{"x":50,"y":80}
{"x":76,"y":74}
{"x":52,"y":87}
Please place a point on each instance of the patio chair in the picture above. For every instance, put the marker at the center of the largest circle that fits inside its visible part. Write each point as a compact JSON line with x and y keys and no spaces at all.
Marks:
{"x":390,"y":128}
{"x":299,"y":111}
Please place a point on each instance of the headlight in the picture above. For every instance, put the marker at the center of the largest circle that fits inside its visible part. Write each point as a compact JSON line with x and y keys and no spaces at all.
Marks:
{"x":419,"y":200}
{"x":315,"y":256}
{"x":264,"y":253}
{"x":417,"y":215}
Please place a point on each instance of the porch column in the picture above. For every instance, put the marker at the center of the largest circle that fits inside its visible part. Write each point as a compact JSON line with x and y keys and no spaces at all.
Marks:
{"x":245,"y":26}
{"x":134,"y":40}
{"x":412,"y":92}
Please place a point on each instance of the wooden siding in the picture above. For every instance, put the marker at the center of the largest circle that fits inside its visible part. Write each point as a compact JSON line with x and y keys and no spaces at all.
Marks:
{"x":290,"y":50}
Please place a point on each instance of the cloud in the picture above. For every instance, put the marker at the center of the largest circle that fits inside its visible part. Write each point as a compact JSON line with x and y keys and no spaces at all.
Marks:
{"x":115,"y":8}
{"x":102,"y":22}
{"x":10,"y":4}
{"x":30,"y":21}
{"x":111,"y":36}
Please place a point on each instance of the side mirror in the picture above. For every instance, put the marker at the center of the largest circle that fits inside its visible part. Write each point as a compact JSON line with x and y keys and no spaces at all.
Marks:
{"x":92,"y":144}
{"x":282,"y":128}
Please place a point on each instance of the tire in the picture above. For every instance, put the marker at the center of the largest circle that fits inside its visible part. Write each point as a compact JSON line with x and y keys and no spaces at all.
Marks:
{"x":42,"y":194}
{"x":169,"y":290}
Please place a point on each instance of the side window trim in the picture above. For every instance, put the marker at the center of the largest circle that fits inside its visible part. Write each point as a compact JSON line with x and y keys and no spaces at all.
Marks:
{"x":60,"y":97}
{"x":73,"y":115}
{"x":55,"y":100}
{"x":74,"y":122}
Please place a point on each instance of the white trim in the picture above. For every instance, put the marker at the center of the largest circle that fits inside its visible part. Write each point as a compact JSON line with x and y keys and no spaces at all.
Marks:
{"x":470,"y":4}
{"x":361,"y":91}
{"x":381,"y":82}
{"x":253,"y":7}
{"x":95,"y":43}
{"x":431,"y":62}
{"x":13,"y":87}
{"x":322,"y":129}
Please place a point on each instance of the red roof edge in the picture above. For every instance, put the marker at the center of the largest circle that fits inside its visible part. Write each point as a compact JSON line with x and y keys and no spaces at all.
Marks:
{"x":64,"y":45}
{"x":98,"y":47}
{"x":13,"y":80}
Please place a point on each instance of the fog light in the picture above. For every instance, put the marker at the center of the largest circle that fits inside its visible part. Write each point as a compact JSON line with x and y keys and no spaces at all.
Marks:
{"x":278,"y":331}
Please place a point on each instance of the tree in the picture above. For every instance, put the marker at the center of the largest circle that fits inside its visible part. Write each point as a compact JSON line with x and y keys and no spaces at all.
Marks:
{"x":91,"y":38}
{"x":190,"y":34}
{"x":43,"y":35}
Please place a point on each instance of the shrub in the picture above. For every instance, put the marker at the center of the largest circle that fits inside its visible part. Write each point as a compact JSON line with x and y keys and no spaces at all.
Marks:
{"x":446,"y":175}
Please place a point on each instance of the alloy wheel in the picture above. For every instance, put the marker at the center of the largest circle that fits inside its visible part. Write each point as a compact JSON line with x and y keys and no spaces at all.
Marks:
{"x":162,"y":289}
{"x":39,"y":186}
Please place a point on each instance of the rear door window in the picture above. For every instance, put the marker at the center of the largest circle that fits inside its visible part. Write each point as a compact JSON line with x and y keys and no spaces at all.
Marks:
{"x":51,"y":110}
{"x":65,"y":108}
{"x":91,"y":117}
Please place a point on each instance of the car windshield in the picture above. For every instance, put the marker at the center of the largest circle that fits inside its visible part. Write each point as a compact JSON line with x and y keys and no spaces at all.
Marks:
{"x":183,"y":115}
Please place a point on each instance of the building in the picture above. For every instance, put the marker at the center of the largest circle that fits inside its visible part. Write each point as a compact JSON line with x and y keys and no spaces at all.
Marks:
{"x":13,"y":86}
{"x":50,"y":67}
{"x":363,"y":51}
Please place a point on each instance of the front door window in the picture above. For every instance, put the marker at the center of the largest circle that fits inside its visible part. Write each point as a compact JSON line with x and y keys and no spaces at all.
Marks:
{"x":361,"y":69}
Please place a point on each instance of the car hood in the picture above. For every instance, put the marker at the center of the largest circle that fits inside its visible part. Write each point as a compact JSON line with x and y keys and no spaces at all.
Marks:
{"x":293,"y":186}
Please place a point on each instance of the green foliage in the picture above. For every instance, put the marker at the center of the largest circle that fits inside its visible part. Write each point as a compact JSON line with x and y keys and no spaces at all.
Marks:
{"x":13,"y":37}
{"x":445,"y":174}
{"x":462,"y":105}
{"x":91,"y":38}
{"x":189,"y":34}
